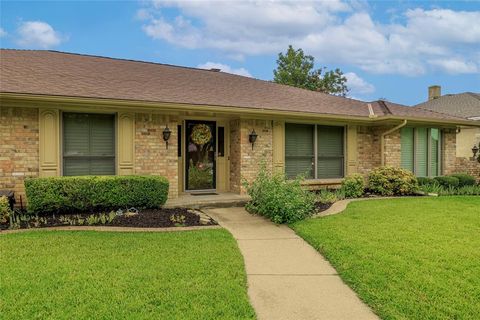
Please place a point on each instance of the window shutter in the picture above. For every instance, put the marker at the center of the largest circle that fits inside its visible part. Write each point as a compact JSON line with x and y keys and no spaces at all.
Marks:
{"x":434,"y":152}
{"x":407,"y":146}
{"x":421,"y":155}
{"x":299,"y":150}
{"x":330,"y":152}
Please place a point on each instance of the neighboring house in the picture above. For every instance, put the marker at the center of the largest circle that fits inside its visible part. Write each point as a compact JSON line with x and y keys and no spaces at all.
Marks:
{"x":465,"y":105}
{"x":71,"y":114}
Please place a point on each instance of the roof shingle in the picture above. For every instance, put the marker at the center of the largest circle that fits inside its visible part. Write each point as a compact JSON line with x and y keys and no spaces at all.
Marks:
{"x":75,"y":75}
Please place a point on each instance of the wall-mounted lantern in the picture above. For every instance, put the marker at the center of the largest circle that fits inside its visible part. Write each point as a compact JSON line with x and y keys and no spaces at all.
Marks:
{"x":475,"y":150}
{"x":252,"y":137}
{"x":166,"y":134}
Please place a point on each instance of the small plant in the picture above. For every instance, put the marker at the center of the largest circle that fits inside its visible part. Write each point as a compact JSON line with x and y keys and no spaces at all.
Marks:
{"x":447,"y":181}
{"x":464,"y":179}
{"x":5,"y":211}
{"x":178,"y":219}
{"x":426,"y":181}
{"x":325,"y":196}
{"x":92,"y":219}
{"x":103,"y":218}
{"x":111,"y":216}
{"x":353,"y":186}
{"x":389,"y":181}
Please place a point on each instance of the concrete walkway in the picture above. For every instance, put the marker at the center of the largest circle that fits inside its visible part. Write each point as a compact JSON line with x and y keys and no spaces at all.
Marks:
{"x":287,"y":278}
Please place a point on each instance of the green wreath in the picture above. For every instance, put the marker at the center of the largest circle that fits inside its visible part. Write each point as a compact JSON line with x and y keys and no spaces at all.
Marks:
{"x":201,"y":134}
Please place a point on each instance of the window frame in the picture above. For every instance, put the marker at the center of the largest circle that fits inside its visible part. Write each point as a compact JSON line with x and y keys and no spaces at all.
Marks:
{"x":315,"y":149}
{"x":62,"y":139}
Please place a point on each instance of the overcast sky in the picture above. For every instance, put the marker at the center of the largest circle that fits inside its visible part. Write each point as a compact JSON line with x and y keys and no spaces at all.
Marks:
{"x":387,"y":49}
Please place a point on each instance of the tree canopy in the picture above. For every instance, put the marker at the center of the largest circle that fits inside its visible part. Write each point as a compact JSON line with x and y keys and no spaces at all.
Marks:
{"x":294,"y":68}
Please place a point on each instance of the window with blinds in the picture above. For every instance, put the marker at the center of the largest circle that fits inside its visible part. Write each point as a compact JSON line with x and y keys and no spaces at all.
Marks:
{"x":420,"y":151}
{"x":299,"y":156}
{"x":314,"y":151}
{"x":88,"y":144}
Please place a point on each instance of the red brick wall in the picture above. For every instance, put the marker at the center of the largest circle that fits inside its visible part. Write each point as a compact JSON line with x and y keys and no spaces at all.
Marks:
{"x":18,"y":148}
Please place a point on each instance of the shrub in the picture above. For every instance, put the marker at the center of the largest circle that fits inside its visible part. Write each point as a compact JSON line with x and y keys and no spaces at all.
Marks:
{"x":89,"y":193}
{"x":353,"y":186}
{"x":5,"y":211}
{"x":325,"y":196}
{"x":447,"y":181}
{"x":464,"y":179}
{"x":280,"y":200}
{"x":426,"y":181}
{"x":389,"y":181}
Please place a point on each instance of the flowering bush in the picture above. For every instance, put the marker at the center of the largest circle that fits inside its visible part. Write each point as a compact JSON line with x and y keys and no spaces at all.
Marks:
{"x":389,"y":181}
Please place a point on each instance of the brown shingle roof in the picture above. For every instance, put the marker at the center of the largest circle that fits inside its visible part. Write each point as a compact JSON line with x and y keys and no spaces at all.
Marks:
{"x":465,"y":105}
{"x":76,"y":75}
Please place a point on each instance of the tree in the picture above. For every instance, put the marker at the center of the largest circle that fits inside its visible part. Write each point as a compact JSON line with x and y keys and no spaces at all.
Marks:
{"x":296,"y":69}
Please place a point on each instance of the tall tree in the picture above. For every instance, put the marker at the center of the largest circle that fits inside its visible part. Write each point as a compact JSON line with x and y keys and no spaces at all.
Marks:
{"x":294,"y":68}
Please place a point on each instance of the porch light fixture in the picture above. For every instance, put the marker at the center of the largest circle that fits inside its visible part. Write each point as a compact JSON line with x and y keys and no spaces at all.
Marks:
{"x":475,"y":150}
{"x":252,"y":137}
{"x":166,"y":134}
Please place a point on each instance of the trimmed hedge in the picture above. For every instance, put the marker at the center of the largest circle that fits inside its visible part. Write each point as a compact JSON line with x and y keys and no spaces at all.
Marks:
{"x":426,"y":181}
{"x":447,"y":181}
{"x":464,"y":179}
{"x":389,"y":181}
{"x":91,"y":193}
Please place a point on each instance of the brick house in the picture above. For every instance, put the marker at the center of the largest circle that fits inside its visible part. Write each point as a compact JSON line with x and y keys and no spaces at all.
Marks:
{"x":72,"y":114}
{"x":464,"y":105}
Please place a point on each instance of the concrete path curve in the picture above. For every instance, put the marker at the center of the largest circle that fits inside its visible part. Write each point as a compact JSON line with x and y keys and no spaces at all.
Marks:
{"x":287,"y":278}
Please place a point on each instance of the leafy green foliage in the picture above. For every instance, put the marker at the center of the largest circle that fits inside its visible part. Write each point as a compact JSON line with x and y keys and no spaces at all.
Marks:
{"x":410,"y":258}
{"x":353,"y":186}
{"x":89,"y":193}
{"x":451,"y":191}
{"x":447,"y":181}
{"x":389,"y":181}
{"x":5,"y":211}
{"x":280,"y":200}
{"x":122,"y":275}
{"x":422,"y":181}
{"x":296,"y":69}
{"x":464,"y":179}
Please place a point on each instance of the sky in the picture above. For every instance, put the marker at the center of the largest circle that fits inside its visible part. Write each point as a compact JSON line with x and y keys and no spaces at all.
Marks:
{"x":390,"y":50}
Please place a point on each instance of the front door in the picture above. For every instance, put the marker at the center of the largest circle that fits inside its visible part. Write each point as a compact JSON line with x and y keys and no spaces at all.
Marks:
{"x":200,"y":144}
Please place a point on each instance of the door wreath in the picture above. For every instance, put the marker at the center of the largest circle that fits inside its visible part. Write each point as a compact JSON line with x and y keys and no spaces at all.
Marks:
{"x":201,"y":134}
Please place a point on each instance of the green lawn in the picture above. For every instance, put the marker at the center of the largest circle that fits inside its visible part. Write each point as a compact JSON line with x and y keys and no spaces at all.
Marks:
{"x":411,"y":258}
{"x":109,"y":275}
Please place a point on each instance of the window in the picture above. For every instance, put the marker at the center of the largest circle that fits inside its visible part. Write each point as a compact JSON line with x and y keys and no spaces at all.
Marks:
{"x":88,"y":144}
{"x":420,"y":151}
{"x":316,"y":152}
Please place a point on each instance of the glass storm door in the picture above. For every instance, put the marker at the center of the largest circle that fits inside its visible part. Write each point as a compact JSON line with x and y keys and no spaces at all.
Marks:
{"x":200,"y":150}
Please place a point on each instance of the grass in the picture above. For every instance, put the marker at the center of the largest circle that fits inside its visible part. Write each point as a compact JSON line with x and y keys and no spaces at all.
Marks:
{"x":109,"y":275}
{"x":414,"y":258}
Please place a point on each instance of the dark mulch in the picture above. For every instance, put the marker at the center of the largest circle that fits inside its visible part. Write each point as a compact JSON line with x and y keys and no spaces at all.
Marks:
{"x":148,"y":218}
{"x":319,"y":207}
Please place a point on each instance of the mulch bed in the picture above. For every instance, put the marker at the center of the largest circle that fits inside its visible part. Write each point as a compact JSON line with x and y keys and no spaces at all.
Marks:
{"x":149,"y":218}
{"x":319,"y":207}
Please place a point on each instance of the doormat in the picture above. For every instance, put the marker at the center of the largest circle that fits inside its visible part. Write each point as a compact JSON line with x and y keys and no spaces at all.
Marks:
{"x":204,"y":194}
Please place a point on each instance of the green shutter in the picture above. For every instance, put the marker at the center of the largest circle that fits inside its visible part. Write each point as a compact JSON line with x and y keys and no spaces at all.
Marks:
{"x":407,"y":145}
{"x":434,"y":151}
{"x":299,"y":150}
{"x":330,"y":152}
{"x":421,"y":152}
{"x":88,"y":144}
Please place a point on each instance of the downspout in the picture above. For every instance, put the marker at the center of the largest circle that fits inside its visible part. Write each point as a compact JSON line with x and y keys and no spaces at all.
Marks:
{"x":382,"y":139}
